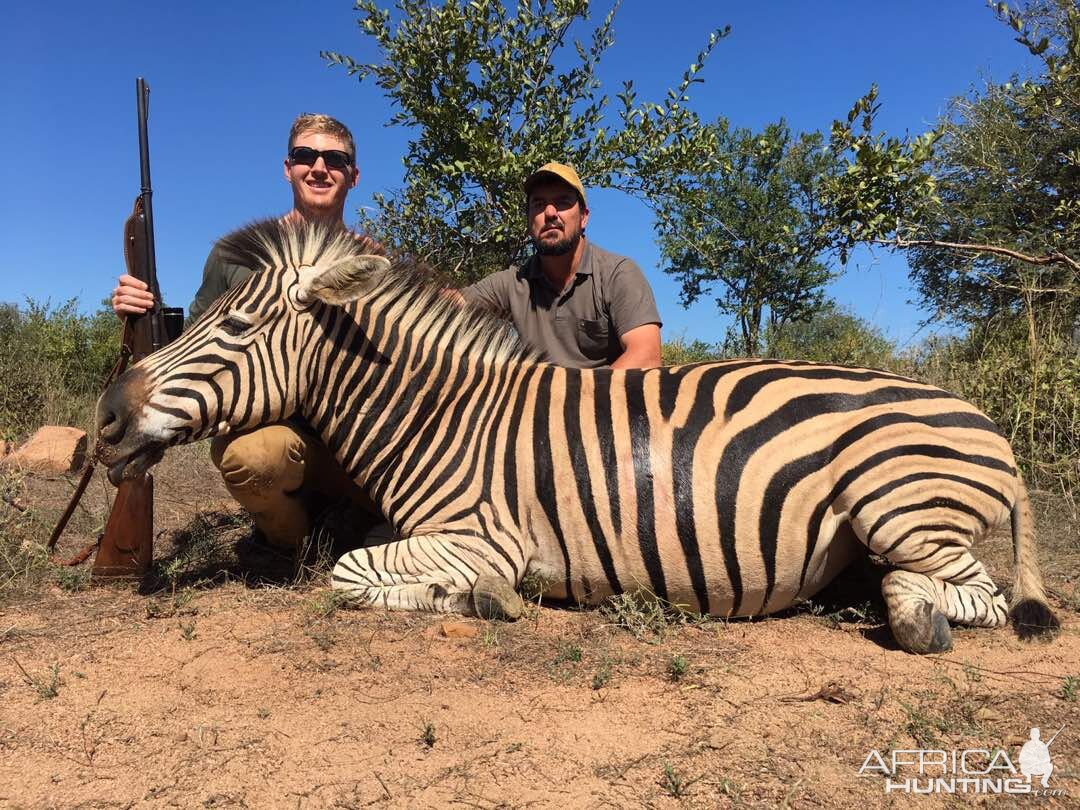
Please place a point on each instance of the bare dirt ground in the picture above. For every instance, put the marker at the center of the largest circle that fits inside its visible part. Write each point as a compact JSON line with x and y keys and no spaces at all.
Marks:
{"x":227,"y":684}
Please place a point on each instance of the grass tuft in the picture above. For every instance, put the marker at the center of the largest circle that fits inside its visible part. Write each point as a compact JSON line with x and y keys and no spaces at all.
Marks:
{"x":534,"y":585}
{"x":602,"y":676}
{"x":645,"y":615}
{"x":567,"y":653}
{"x":23,"y":560}
{"x":677,"y":667}
{"x":672,"y":782}
{"x":204,"y":550}
{"x":427,"y":735}
{"x":46,"y":686}
{"x":73,"y":580}
{"x":325,"y":604}
{"x":1070,"y":688}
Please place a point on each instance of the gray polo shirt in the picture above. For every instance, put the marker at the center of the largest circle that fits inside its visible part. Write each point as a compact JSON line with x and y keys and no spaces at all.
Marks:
{"x":577,"y":327}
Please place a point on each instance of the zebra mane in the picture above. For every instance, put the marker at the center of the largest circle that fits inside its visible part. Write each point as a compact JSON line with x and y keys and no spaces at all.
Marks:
{"x":407,"y":294}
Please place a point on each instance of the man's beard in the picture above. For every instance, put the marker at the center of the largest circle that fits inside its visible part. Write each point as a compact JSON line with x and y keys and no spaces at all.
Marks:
{"x":560,"y":248}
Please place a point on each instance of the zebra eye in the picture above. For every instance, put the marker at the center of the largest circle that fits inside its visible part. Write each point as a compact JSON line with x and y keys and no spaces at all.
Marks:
{"x":234,"y":326}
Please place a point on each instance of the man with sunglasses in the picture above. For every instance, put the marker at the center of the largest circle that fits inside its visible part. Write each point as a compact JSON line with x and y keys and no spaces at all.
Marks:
{"x":574,"y":301}
{"x":320,"y":166}
{"x":282,"y":474}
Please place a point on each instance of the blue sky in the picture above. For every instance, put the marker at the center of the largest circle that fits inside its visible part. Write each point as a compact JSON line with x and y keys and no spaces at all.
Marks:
{"x":227,"y":79}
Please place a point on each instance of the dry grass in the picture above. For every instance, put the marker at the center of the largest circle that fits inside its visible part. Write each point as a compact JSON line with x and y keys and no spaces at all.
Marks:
{"x":23,"y":561}
{"x":565,"y":708}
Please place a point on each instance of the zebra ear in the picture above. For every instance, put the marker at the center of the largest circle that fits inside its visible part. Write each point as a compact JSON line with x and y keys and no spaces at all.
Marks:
{"x":341,"y":282}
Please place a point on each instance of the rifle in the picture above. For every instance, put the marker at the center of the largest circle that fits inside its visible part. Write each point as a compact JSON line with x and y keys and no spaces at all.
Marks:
{"x":1051,"y":740}
{"x":126,"y":547}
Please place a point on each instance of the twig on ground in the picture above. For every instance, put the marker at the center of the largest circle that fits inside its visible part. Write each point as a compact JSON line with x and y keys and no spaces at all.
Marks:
{"x":386,"y":790}
{"x":1009,"y":673}
{"x":30,"y":681}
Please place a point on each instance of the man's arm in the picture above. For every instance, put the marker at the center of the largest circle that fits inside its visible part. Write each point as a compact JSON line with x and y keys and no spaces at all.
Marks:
{"x":641,"y":347}
{"x":634,"y":317}
{"x":132,"y":297}
{"x":491,"y":293}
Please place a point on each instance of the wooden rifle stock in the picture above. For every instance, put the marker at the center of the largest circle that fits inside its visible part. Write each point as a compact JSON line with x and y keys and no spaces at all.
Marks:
{"x":127,"y":546}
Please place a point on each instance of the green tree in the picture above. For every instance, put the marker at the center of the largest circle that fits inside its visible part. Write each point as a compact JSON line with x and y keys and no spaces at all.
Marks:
{"x":988,"y":203}
{"x":987,"y":206}
{"x":491,"y":93}
{"x":752,"y":229}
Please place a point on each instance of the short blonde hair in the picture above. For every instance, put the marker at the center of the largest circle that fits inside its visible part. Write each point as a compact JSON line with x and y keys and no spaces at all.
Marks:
{"x":324,"y":124}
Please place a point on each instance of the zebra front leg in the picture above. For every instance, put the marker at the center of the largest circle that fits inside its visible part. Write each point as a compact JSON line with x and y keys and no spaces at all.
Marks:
{"x":443,"y":573}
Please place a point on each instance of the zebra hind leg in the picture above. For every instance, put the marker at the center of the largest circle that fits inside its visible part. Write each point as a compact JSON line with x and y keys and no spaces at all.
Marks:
{"x":916,"y":623}
{"x":945,"y":585}
{"x":439,"y":573}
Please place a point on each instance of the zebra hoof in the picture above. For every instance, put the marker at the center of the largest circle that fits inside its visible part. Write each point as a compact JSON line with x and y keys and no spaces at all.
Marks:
{"x":925,"y":630}
{"x":495,"y":598}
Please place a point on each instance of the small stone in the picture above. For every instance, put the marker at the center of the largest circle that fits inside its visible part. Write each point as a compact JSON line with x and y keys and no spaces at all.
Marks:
{"x":458,"y":630}
{"x":986,"y":714}
{"x":51,"y":449}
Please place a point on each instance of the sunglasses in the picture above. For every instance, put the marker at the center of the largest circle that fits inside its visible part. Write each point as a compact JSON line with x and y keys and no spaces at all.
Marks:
{"x":333,"y":158}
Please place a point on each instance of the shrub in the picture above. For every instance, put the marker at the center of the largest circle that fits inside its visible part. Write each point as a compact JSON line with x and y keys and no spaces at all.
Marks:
{"x":831,"y":335}
{"x":1033,"y":397}
{"x":678,"y":352}
{"x":53,"y":365}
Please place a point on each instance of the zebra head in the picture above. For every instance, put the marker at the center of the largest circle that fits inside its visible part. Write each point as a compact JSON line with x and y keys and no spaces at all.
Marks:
{"x":243,"y":363}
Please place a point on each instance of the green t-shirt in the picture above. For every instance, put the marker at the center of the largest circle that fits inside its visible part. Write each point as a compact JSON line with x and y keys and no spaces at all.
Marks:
{"x":582,"y":325}
{"x":219,"y":276}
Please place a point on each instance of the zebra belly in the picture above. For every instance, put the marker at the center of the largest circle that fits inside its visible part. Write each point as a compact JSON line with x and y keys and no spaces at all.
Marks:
{"x":588,"y":581}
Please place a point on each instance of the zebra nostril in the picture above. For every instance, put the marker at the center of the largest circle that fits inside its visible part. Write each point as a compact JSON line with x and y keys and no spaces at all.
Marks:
{"x":110,"y":429}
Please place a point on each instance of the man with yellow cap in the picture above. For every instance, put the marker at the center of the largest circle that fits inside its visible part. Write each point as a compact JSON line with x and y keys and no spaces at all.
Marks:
{"x":576,"y":302}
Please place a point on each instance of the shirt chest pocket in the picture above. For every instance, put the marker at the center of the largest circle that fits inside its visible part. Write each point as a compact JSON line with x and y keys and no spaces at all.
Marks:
{"x":593,"y":337}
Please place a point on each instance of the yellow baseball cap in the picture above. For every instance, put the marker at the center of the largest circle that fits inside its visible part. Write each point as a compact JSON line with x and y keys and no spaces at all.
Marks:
{"x":560,"y":171}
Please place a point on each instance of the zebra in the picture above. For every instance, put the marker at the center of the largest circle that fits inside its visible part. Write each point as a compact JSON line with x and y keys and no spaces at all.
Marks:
{"x":732,"y":488}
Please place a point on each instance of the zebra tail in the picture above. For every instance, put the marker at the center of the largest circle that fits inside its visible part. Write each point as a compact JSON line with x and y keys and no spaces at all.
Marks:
{"x":1028,"y":609}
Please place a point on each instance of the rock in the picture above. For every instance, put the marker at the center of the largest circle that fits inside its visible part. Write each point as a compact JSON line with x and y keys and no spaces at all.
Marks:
{"x":984,"y":713}
{"x":458,"y":630}
{"x":52,"y":449}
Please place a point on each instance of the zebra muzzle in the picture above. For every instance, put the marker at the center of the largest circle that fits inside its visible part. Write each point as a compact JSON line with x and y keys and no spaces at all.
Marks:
{"x":130,"y":465}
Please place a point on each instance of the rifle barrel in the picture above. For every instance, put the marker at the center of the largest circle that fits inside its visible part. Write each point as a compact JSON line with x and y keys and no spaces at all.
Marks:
{"x":142,"y":94}
{"x":1051,"y":740}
